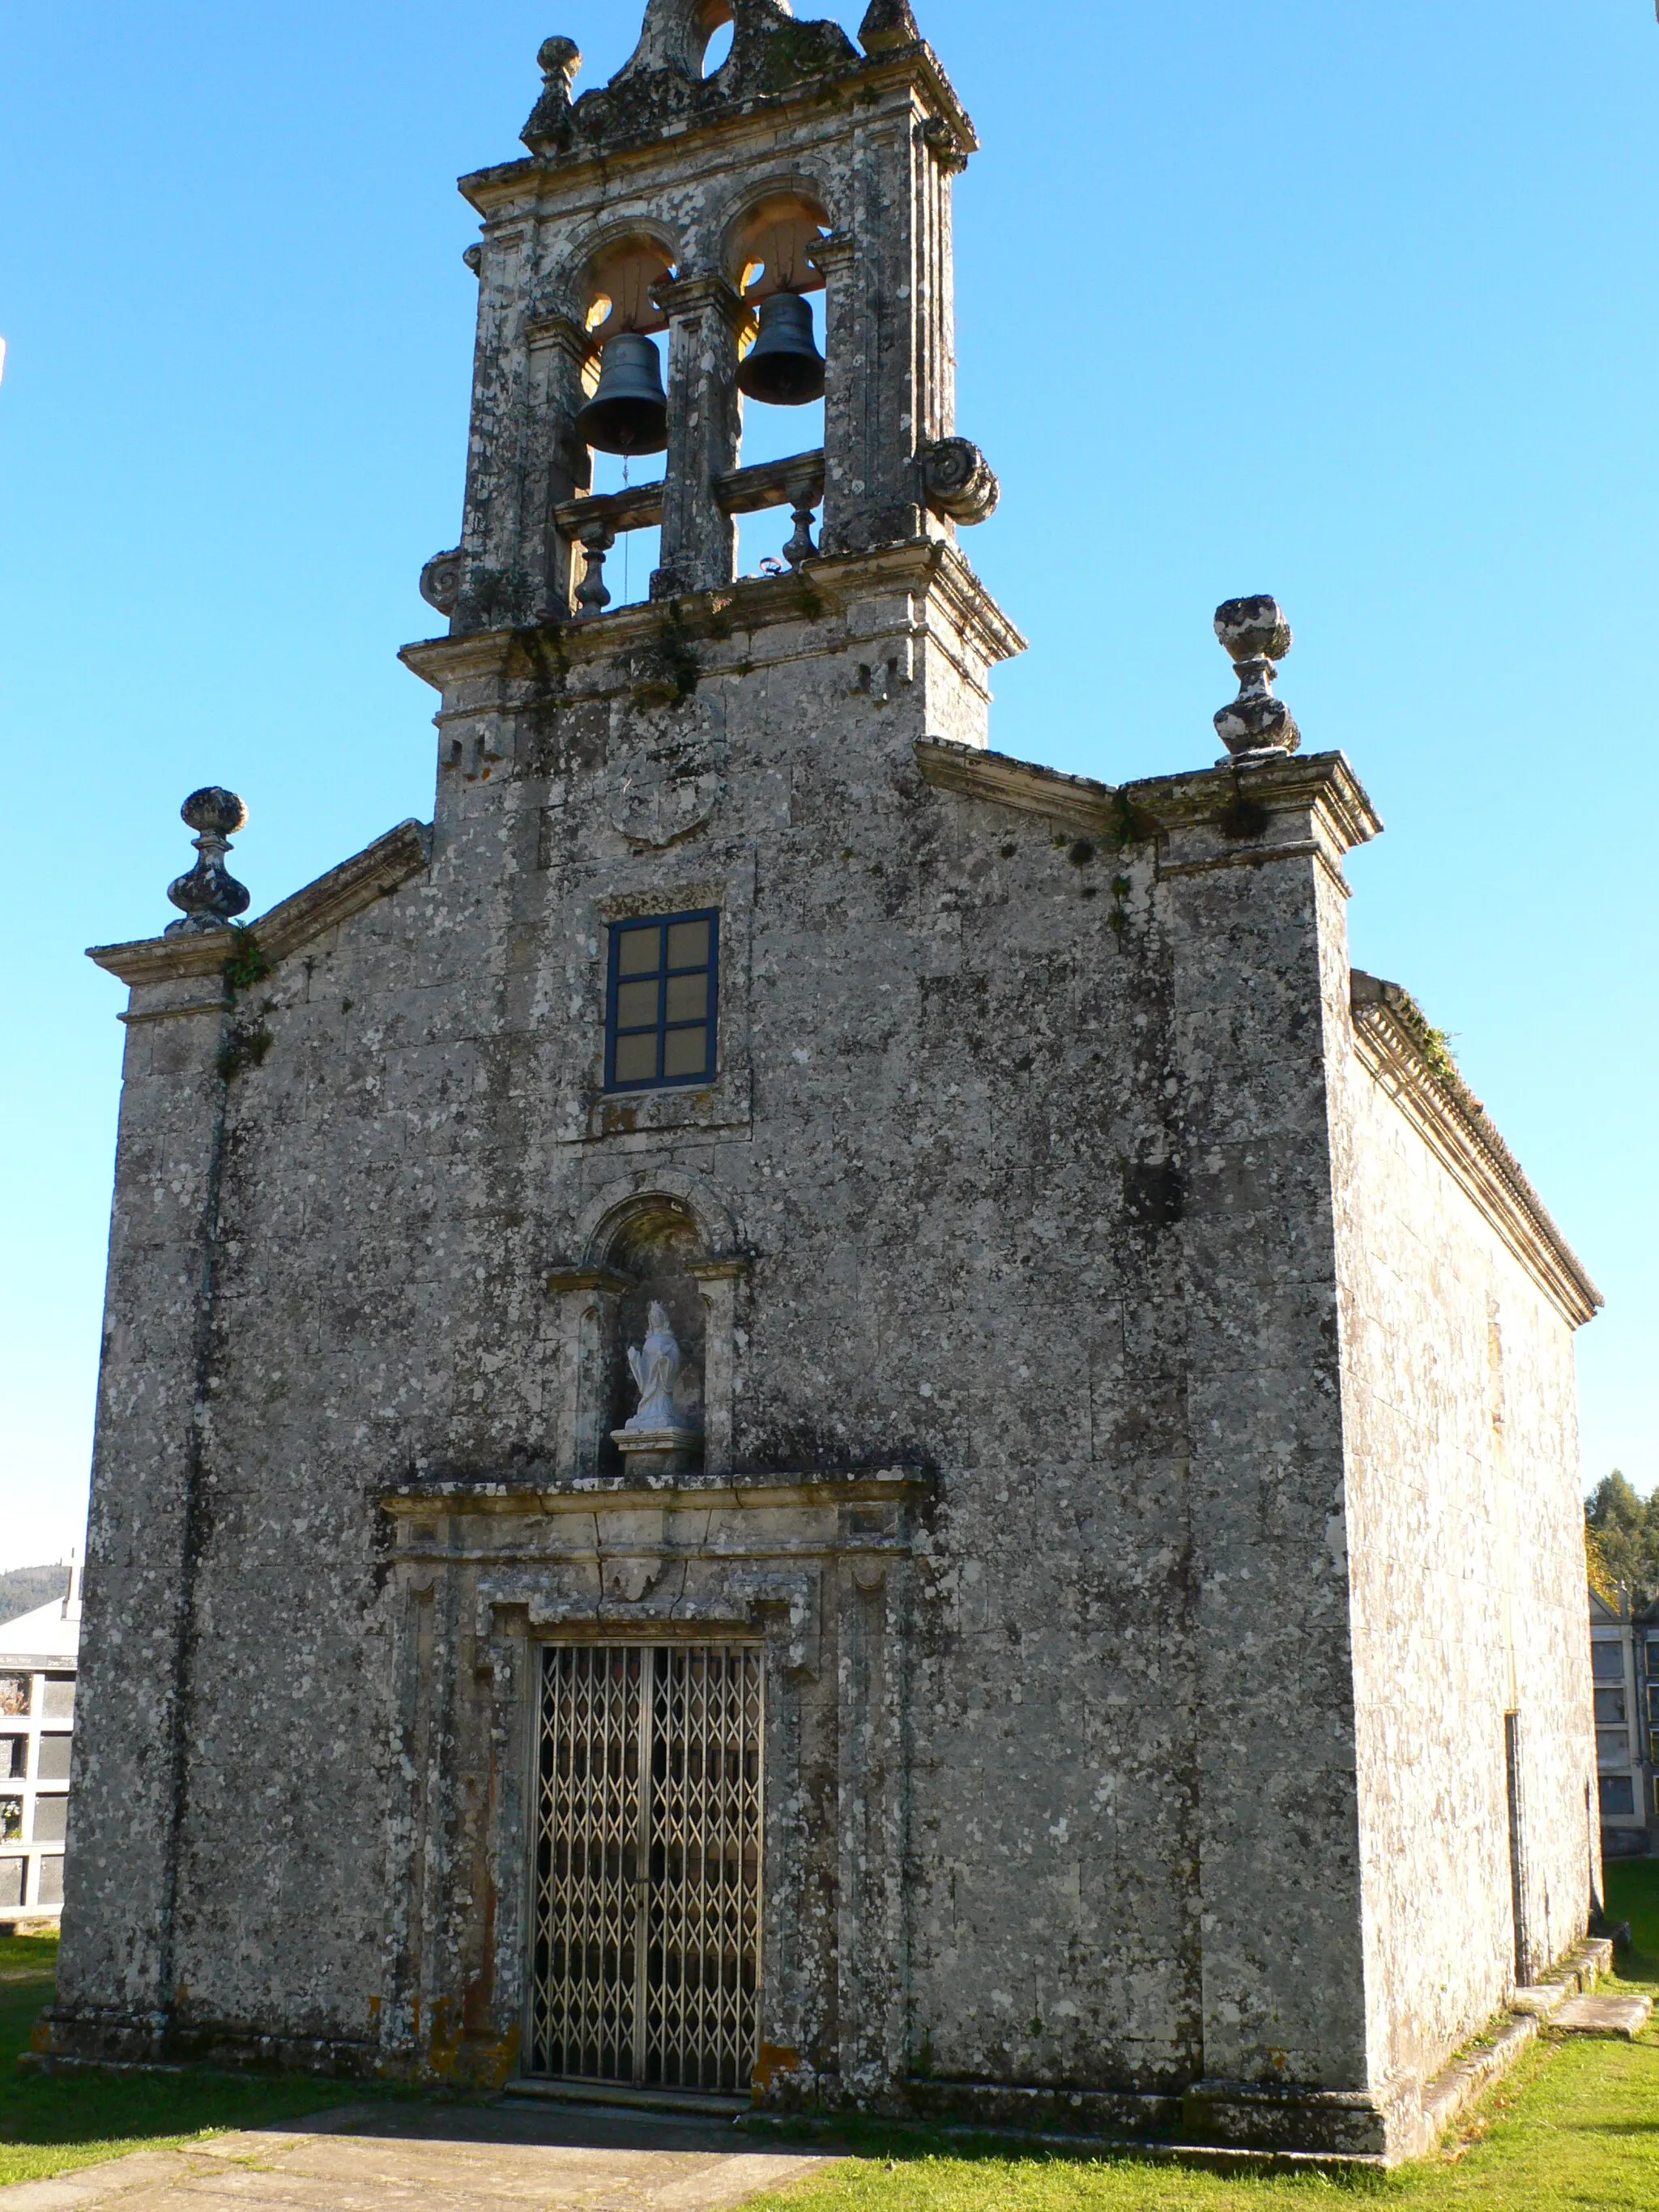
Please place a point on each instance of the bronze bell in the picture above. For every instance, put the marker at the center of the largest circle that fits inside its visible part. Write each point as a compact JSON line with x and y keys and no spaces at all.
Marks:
{"x":628,"y":413}
{"x":783,"y":367}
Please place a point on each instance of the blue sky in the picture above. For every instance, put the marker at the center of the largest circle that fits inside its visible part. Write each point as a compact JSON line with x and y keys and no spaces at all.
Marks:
{"x":1353,"y":305}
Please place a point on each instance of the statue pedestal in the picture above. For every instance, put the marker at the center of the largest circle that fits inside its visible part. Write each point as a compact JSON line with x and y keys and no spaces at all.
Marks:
{"x":648,"y":1453}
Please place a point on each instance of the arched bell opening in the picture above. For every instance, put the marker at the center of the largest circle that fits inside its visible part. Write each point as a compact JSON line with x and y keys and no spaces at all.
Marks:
{"x":782,"y":368}
{"x":623,"y":420}
{"x":653,"y":1249}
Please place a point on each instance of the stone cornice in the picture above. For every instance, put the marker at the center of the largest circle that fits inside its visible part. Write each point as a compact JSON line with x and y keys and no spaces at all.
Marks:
{"x":683,"y":1493}
{"x":1074,"y":802}
{"x":1250,"y":813}
{"x":356,"y":883}
{"x":1455,"y":1127}
{"x":508,"y":189}
{"x":1299,"y":783}
{"x":924,"y":567}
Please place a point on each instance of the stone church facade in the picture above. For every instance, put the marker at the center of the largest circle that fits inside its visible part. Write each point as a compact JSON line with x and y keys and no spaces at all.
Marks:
{"x":1091,"y":1632}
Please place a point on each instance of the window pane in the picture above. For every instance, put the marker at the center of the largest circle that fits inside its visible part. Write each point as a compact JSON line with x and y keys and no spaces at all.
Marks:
{"x":14,"y":1693}
{"x":686,"y":1052}
{"x":688,"y":944}
{"x":688,"y":998}
{"x":636,"y":1059}
{"x":636,"y":1005}
{"x":637,"y":951}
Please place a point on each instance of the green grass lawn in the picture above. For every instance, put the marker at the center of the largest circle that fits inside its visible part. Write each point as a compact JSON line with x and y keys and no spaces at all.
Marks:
{"x":1575,"y":2126}
{"x":51,"y":2122}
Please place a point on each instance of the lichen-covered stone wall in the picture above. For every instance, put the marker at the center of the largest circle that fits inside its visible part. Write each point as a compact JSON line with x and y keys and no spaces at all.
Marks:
{"x":1465,"y":1557}
{"x":1042,"y":1193}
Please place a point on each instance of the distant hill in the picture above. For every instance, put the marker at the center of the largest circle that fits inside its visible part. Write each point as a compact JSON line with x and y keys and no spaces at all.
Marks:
{"x":23,"y":1589}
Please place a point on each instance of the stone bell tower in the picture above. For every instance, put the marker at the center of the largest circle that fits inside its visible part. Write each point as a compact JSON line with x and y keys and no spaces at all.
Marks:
{"x":668,"y":202}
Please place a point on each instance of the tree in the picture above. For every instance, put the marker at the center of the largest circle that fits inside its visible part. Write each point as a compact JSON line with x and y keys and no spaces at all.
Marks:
{"x":1622,"y":1536}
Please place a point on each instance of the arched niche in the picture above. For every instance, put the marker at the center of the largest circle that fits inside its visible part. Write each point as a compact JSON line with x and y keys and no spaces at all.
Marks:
{"x":679,"y":1233}
{"x":676,"y":1241}
{"x":651,"y":1252}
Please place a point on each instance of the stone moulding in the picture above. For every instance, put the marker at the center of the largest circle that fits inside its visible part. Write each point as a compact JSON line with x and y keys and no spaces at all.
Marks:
{"x":1162,"y":808}
{"x":1458,"y":1129}
{"x":1072,"y":802}
{"x":825,"y":586}
{"x":612,"y":1558}
{"x":510,"y":188}
{"x":355,"y":885}
{"x":420,"y":1500}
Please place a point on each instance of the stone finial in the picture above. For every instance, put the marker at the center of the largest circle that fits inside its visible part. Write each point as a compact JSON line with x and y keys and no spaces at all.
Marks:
{"x":888,"y":24}
{"x":560,"y":60}
{"x":1255,"y":636}
{"x":210,"y":896}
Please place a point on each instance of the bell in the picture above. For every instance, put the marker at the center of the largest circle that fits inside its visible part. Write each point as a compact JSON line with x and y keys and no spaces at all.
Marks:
{"x":628,"y":413}
{"x":783,"y":367}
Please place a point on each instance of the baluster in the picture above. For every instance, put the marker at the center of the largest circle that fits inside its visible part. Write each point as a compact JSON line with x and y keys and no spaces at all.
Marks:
{"x":803,"y":498}
{"x":592,"y":598}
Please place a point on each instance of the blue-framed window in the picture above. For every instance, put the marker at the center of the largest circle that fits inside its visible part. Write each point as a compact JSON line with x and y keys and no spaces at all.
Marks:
{"x":661,"y":1004}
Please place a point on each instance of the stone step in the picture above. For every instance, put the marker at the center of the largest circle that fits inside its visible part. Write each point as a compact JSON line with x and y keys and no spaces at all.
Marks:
{"x":708,"y":2106}
{"x":1624,"y":2016}
{"x":1545,"y":1999}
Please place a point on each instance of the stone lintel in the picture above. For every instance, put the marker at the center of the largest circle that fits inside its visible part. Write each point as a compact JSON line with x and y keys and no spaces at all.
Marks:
{"x":1458,"y":1129}
{"x":356,"y":883}
{"x":510,"y":190}
{"x":830,"y":583}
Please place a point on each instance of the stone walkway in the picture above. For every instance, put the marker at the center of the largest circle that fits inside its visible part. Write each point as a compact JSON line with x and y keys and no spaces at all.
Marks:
{"x":381,"y":2158}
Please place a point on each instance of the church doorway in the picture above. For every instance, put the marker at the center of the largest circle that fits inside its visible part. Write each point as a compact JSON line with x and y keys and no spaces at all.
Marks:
{"x":645,"y":1915}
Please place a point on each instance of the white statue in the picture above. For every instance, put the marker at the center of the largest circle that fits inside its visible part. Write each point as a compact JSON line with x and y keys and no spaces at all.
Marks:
{"x":655,"y":1368}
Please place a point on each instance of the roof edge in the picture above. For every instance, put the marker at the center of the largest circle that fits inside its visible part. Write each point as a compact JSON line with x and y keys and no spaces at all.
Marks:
{"x":1459,"y":1131}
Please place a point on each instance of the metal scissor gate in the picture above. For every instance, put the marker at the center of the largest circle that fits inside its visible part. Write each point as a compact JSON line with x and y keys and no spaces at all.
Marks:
{"x":646,"y":1926}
